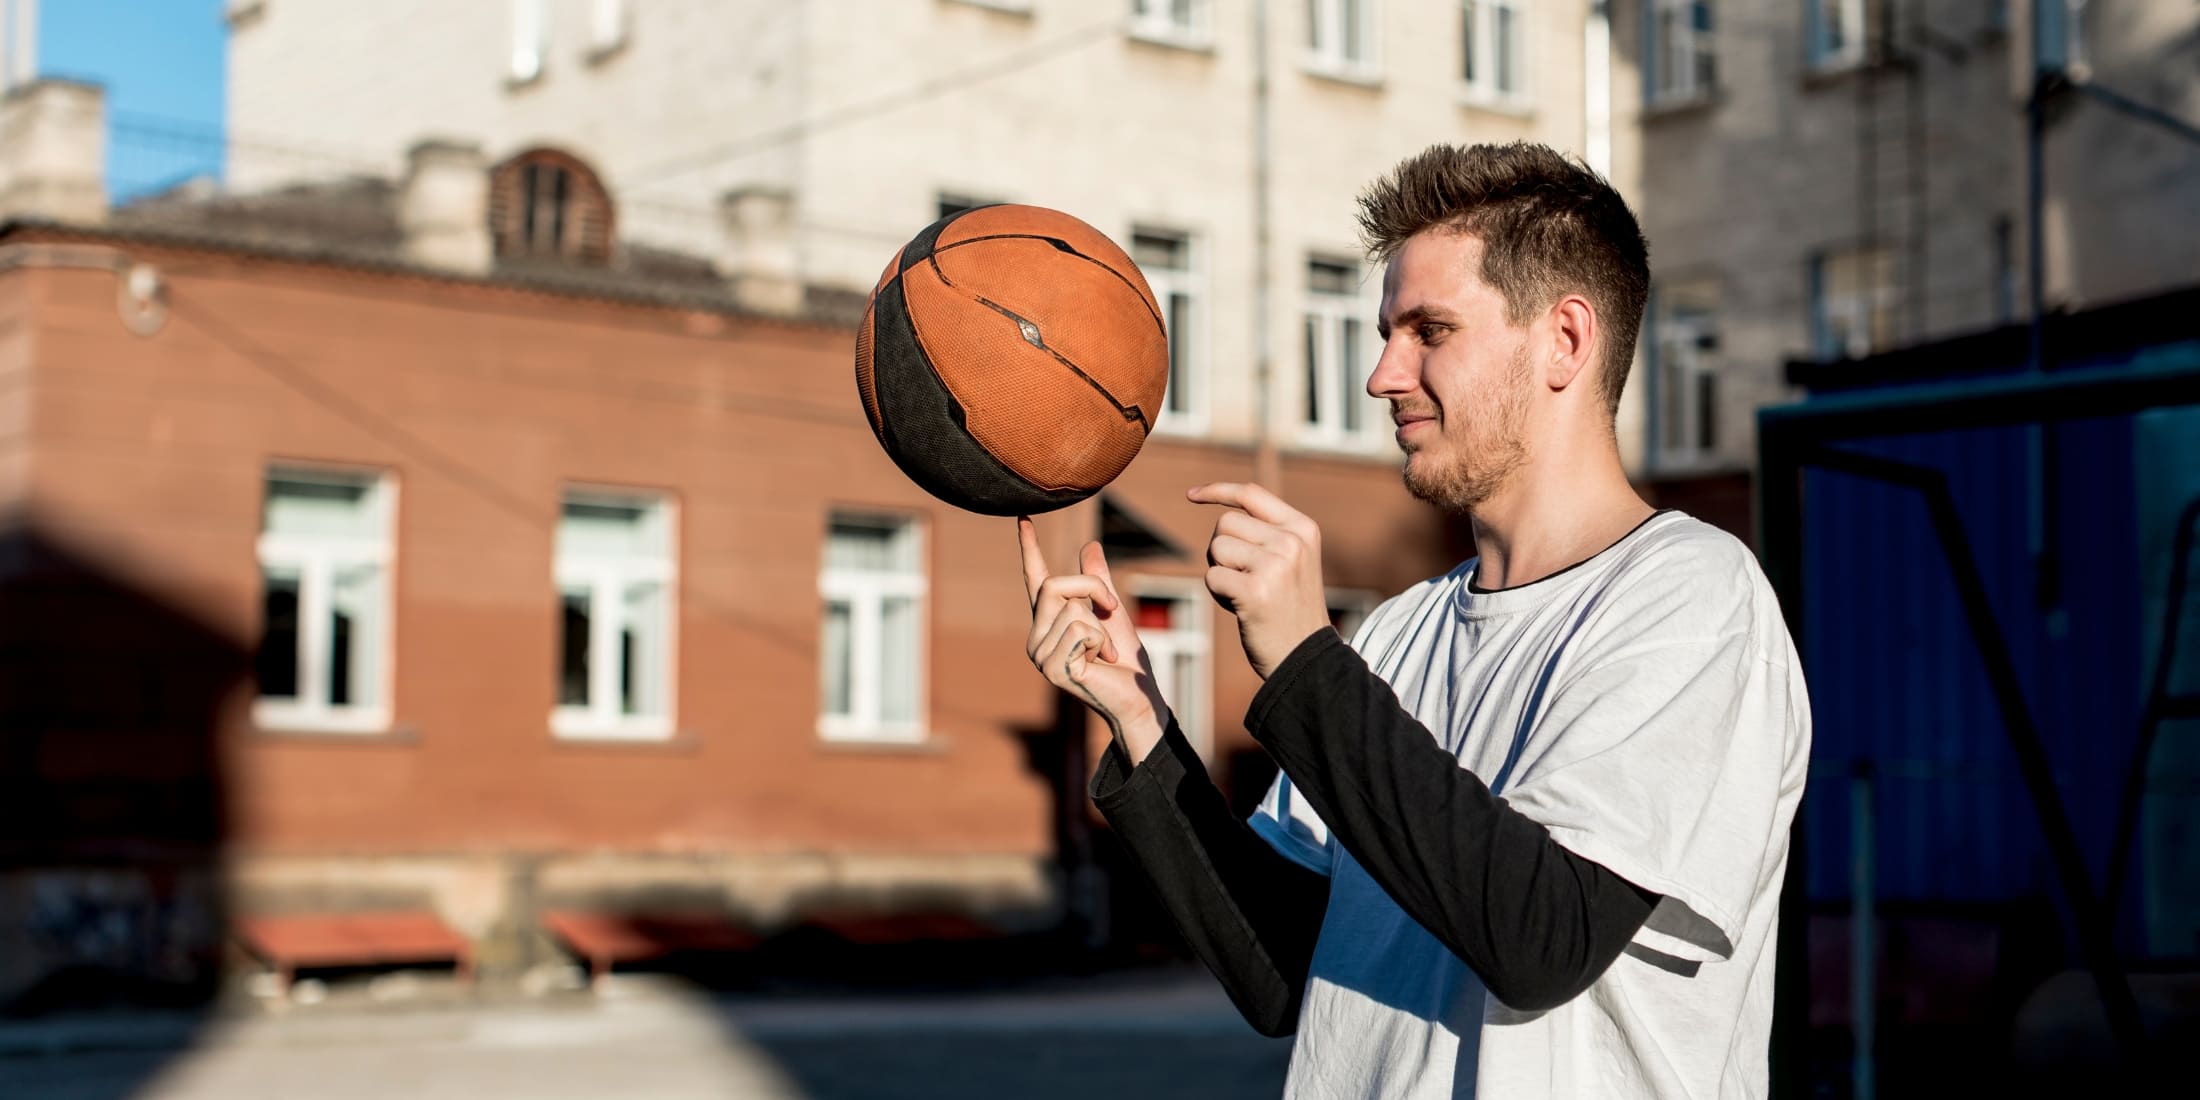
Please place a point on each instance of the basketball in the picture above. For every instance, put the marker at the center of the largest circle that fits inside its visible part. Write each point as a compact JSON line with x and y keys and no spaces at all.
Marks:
{"x":1011,"y":360}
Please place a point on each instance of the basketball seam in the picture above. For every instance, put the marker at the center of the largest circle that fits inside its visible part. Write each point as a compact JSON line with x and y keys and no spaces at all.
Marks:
{"x":933,"y":258}
{"x":1129,"y":412}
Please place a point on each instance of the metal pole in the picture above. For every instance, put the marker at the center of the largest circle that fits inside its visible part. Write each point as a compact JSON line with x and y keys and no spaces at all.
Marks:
{"x":1863,"y":947}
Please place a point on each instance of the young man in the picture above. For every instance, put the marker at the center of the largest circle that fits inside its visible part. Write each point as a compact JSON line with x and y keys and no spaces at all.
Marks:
{"x":1532,"y":822}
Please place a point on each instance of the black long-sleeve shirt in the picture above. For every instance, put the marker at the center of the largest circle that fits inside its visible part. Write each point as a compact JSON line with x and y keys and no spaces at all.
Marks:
{"x":1537,"y":923}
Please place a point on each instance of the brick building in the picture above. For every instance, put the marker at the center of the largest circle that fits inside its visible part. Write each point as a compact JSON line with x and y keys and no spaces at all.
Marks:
{"x":360,"y":557}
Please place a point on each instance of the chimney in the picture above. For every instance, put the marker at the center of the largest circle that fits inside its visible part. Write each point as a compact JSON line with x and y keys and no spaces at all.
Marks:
{"x":759,"y":260}
{"x":443,"y":208}
{"x":53,"y":152}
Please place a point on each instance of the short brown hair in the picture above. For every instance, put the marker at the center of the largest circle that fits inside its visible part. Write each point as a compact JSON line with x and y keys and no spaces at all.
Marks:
{"x":1549,"y":226}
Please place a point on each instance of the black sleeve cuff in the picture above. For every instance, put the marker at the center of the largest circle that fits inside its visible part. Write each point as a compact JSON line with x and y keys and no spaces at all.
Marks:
{"x":1307,"y":655}
{"x":1117,"y":784}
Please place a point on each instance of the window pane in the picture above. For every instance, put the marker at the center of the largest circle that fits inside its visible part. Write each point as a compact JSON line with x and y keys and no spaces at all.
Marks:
{"x":1673,"y":398}
{"x":307,"y":505}
{"x":1161,"y":251}
{"x":1330,"y":277}
{"x":596,"y":526}
{"x":1348,"y":398}
{"x":1181,"y":14}
{"x":838,"y":659}
{"x":871,"y":546}
{"x":278,"y":657}
{"x":1313,"y":371}
{"x":1353,"y":12}
{"x":1508,"y":50}
{"x":1314,"y":25}
{"x":573,"y":634}
{"x":1180,"y":353}
{"x":355,"y":643}
{"x":1707,"y":408}
{"x":643,"y":671}
{"x":1466,"y":40}
{"x":897,"y":663}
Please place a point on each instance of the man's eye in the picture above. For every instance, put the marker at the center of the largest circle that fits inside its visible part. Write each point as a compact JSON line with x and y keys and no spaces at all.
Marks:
{"x":1431,"y":333}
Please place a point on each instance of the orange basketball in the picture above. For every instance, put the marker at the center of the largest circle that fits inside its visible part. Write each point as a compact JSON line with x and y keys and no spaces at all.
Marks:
{"x":1011,"y":360}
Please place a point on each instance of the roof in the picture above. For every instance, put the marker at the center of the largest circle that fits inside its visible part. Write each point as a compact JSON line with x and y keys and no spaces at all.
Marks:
{"x":352,"y":224}
{"x":2095,"y":337}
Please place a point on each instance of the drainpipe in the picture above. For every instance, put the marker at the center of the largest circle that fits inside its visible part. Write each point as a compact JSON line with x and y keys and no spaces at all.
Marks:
{"x":1267,"y":466}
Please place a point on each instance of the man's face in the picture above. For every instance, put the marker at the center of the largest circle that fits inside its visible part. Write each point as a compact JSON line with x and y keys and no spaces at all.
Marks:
{"x":1454,"y":370}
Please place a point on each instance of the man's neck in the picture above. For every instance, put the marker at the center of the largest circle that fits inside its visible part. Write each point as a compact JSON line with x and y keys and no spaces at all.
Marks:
{"x":1552,"y":514}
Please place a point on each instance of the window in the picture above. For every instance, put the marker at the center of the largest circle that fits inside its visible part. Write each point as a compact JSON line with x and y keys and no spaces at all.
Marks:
{"x":951,"y":203}
{"x":1170,"y":263}
{"x":1490,"y":51}
{"x":616,"y":600}
{"x":1681,"y":63}
{"x":608,"y":24}
{"x":1834,"y":32}
{"x":1339,"y":350}
{"x":1349,"y":609}
{"x":1685,"y":424}
{"x":1171,"y":621}
{"x":325,"y":556}
{"x":544,"y":204}
{"x":2062,"y":47}
{"x":871,"y":659}
{"x":2004,"y":275}
{"x":1340,"y":36}
{"x":1851,"y":303}
{"x":530,"y":38}
{"x":1171,"y":22}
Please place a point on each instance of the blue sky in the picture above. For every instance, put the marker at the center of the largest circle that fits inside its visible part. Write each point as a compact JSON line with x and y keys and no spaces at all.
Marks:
{"x":163,"y":64}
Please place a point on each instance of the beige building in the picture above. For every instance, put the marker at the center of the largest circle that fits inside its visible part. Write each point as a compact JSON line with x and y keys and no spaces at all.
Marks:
{"x":1221,"y":141}
{"x":1827,"y":178}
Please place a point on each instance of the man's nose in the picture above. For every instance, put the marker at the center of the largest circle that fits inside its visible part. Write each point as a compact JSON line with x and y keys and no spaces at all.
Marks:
{"x":1395,"y":374}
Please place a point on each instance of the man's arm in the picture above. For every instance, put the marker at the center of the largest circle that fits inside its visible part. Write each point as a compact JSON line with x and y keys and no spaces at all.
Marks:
{"x":1536,"y":922}
{"x":1248,"y":912}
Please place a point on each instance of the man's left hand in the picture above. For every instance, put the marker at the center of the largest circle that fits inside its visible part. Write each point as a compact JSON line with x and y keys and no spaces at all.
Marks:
{"x":1264,"y":565}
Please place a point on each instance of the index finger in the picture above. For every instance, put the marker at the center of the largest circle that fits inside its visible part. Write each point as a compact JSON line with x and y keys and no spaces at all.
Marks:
{"x":1249,"y":498}
{"x":1035,"y":562}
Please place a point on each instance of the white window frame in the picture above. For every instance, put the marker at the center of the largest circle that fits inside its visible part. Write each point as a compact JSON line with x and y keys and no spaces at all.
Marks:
{"x":316,"y":558}
{"x":1482,"y":88}
{"x":1826,"y":58}
{"x":609,"y":24}
{"x":1156,"y":21}
{"x":1194,"y":716}
{"x":606,"y":579}
{"x":1190,"y":282}
{"x":866,"y":593}
{"x":1676,"y":49}
{"x":1353,"y":605}
{"x":1325,"y":45}
{"x":1683,"y":362}
{"x":1327,"y":313}
{"x":530,"y":40}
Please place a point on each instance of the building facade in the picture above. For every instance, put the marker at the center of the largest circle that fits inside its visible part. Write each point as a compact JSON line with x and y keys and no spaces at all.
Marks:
{"x":374,"y":545}
{"x":1828,"y":179}
{"x":1220,"y":141}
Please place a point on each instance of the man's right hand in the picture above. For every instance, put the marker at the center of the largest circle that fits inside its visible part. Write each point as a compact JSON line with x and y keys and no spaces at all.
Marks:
{"x":1083,"y":642}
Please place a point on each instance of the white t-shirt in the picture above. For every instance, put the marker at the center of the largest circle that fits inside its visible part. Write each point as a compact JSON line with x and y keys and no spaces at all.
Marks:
{"x":1646,"y":707}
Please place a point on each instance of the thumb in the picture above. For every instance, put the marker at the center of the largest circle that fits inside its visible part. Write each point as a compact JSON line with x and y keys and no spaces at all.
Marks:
{"x":1093,"y":562}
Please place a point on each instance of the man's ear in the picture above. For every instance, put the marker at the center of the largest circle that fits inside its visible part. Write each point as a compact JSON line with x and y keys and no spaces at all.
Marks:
{"x":1573,"y":342}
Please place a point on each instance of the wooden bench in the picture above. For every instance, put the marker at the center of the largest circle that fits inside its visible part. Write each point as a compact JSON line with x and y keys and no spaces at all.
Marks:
{"x":606,"y":939}
{"x":292,"y":942}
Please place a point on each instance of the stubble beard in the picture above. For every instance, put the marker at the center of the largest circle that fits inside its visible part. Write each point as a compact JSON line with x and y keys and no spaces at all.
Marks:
{"x":1472,"y":477}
